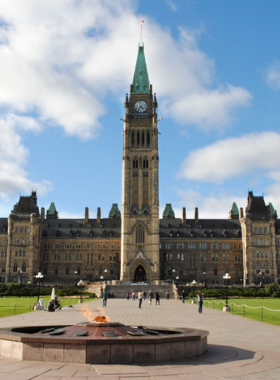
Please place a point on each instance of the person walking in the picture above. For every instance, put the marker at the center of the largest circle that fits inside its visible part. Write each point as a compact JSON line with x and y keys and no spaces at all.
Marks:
{"x":133,"y":296}
{"x":150,"y":297}
{"x":127,"y":296}
{"x":157,"y":298}
{"x":105,"y":297}
{"x":140,"y":297}
{"x":167,"y":296}
{"x":145,"y":294}
{"x":200,"y":301}
{"x":183,"y":296}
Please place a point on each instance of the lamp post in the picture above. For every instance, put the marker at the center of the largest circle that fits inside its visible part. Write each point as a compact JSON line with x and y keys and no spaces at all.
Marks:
{"x":227,"y":278}
{"x":39,"y":276}
{"x":204,"y":275}
{"x":261,"y":279}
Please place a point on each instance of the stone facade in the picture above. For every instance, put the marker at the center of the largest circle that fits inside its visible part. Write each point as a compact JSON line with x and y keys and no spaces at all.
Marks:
{"x":136,"y":245}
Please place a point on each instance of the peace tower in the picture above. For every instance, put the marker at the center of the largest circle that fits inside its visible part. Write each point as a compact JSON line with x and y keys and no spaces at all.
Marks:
{"x":140,"y":204}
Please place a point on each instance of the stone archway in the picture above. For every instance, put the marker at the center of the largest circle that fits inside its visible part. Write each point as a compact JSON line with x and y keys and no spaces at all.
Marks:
{"x":139,"y":274}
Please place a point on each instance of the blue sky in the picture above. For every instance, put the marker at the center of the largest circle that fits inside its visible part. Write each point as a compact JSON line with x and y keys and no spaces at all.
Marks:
{"x":66,"y":66}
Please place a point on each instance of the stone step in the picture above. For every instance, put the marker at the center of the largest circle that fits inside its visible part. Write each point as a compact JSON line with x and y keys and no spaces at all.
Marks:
{"x":120,"y":291}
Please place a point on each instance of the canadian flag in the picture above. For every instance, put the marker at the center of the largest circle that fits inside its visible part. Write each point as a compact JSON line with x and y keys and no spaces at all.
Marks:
{"x":142,"y":22}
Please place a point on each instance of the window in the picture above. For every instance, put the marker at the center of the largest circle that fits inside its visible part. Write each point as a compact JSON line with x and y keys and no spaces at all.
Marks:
{"x":178,"y":257}
{"x":215,"y":272}
{"x":140,"y":234}
{"x":78,"y":270}
{"x":214,"y":246}
{"x":224,"y":257}
{"x":180,"y":246}
{"x":68,"y":246}
{"x":260,"y":230}
{"x":169,"y":246}
{"x":225,"y":246}
{"x":15,"y":268}
{"x":266,"y":268}
{"x":265,"y":230}
{"x":258,"y":254}
{"x":135,"y":163}
{"x":79,"y":245}
{"x":256,"y":230}
{"x":113,"y":246}
{"x":23,"y":268}
{"x":17,"y":241}
{"x":265,"y":254}
{"x":55,"y":271}
{"x":191,"y":245}
{"x":56,"y":246}
{"x":257,"y":241}
{"x":90,"y":246}
{"x":265,"y":242}
{"x":258,"y":268}
{"x":67,"y":271}
{"x":3,"y":268}
{"x":112,"y":272}
{"x":25,"y":241}
{"x":145,"y":164}
{"x":203,"y":246}
{"x":101,"y":246}
{"x":16,"y":253}
{"x":228,"y":257}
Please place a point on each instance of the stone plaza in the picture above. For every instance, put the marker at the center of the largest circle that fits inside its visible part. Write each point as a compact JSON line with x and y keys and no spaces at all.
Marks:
{"x":238,"y":348}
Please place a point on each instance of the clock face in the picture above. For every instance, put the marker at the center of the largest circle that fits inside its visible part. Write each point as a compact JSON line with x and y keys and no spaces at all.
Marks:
{"x":140,"y":106}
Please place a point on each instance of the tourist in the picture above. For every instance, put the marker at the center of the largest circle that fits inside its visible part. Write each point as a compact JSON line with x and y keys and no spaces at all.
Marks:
{"x":200,"y":301}
{"x":140,"y":297}
{"x":133,"y":296}
{"x":51,"y":306}
{"x":105,"y":297}
{"x":157,"y":298}
{"x":150,"y":297}
{"x":57,"y":304}
{"x":145,"y":294}
{"x":127,"y":296}
{"x":167,"y":296}
{"x":183,"y":296}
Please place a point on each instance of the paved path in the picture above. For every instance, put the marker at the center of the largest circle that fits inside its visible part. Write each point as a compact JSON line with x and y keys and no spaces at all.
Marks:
{"x":238,"y":348}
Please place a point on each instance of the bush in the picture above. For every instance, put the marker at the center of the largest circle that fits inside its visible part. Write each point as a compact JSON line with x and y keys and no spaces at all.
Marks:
{"x":271,"y":288}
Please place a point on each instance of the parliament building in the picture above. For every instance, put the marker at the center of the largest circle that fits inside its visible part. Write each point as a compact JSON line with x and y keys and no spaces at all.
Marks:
{"x":136,"y":243}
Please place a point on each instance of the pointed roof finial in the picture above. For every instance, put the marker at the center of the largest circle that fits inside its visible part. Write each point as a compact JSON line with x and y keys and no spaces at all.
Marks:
{"x":141,"y":27}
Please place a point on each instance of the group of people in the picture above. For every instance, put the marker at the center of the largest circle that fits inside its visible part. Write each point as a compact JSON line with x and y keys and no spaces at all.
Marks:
{"x":54,"y":304}
{"x":142,"y":296}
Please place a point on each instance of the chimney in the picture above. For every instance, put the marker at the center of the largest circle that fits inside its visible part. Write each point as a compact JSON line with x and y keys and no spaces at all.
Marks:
{"x":86,"y":216}
{"x":42,"y":214}
{"x":99,"y":215}
{"x":184,"y":215}
{"x":196,"y":215}
{"x":241,"y":213}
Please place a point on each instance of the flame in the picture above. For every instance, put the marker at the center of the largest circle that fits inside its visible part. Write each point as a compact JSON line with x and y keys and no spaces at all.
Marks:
{"x":87,"y":313}
{"x":90,"y":315}
{"x":103,"y":312}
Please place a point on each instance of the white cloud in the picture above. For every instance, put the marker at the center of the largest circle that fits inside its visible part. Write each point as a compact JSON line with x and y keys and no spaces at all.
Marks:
{"x":273,"y":75}
{"x":172,"y":5}
{"x":233,"y":157}
{"x":14,"y":156}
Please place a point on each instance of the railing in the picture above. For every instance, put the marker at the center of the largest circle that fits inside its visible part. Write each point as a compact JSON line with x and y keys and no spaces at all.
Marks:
{"x":261,"y":313}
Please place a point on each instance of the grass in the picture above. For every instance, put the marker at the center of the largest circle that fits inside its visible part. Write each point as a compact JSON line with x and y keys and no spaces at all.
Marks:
{"x":260,"y":309}
{"x":20,"y":305}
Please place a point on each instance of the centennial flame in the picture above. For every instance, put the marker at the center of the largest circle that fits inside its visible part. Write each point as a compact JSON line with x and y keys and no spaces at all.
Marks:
{"x":91,"y":316}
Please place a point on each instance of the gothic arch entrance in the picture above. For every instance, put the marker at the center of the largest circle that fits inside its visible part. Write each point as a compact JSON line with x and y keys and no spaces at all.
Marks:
{"x":139,"y":274}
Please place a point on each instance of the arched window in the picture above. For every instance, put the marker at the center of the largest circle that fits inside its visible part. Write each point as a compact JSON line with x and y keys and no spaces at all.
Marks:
{"x":148,"y":138}
{"x":67,"y":270}
{"x":140,"y":234}
{"x":267,"y":268}
{"x":99,"y":257}
{"x":166,"y":256}
{"x":135,"y":163}
{"x":138,"y":138}
{"x":78,"y":270}
{"x":3,"y":268}
{"x":23,"y":268}
{"x":258,"y":268}
{"x":169,"y":271}
{"x":45,"y":270}
{"x":145,"y":163}
{"x":103,"y":258}
{"x":181,"y":272}
{"x":215,"y":272}
{"x":116,"y":257}
{"x":132,"y":138}
{"x":182,"y":257}
{"x":143,"y":138}
{"x":15,"y":267}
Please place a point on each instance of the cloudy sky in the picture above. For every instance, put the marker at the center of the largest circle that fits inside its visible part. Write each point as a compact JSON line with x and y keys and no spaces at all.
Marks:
{"x":65,"y":67}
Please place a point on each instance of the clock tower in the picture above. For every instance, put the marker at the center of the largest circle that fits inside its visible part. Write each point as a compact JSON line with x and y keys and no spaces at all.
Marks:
{"x":140,"y":204}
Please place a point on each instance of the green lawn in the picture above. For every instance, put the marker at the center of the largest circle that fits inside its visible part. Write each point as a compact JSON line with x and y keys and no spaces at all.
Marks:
{"x":20,"y":305}
{"x":260,"y":309}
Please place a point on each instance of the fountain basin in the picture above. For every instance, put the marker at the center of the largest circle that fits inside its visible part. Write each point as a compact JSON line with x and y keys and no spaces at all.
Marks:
{"x":101,"y":343}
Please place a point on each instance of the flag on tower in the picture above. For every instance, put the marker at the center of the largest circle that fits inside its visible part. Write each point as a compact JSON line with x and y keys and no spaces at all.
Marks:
{"x":142,"y":22}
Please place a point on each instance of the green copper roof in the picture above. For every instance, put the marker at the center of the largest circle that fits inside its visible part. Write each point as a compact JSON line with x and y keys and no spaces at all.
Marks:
{"x":115,"y":212}
{"x":52,"y":209}
{"x":234,"y":209}
{"x":272,"y":211}
{"x":141,"y":78}
{"x":168,"y":211}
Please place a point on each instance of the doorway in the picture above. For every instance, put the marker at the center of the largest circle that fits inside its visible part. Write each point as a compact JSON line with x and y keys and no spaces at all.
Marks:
{"x":139,"y":274}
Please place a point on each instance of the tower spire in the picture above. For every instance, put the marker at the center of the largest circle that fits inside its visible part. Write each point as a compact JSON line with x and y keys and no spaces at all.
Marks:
{"x":140,"y":84}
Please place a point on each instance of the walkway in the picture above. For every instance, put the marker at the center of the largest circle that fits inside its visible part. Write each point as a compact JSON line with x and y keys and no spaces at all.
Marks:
{"x":238,"y":348}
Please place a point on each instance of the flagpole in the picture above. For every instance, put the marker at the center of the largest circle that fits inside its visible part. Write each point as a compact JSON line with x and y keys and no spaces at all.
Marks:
{"x":141,"y":27}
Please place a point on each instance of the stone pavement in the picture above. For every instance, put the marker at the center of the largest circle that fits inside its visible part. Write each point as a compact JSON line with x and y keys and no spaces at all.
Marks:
{"x":238,"y":348}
